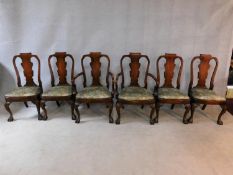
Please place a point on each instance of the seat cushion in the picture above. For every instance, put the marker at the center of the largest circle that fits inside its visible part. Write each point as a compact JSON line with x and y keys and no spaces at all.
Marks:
{"x":58,"y":91}
{"x":172,"y":94}
{"x":24,"y":92}
{"x":94,"y":92}
{"x":229,"y":92}
{"x":135,"y":94}
{"x":206,"y":94}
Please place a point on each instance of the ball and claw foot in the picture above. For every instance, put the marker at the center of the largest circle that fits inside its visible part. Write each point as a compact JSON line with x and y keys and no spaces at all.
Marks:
{"x":40,"y":117}
{"x":220,"y":122}
{"x":77,"y":120}
{"x":152,"y":121}
{"x":73,"y":117}
{"x":185,"y":121}
{"x":190,"y":120}
{"x":117,"y":122}
{"x":45,"y":118}
{"x":111,"y":120}
{"x":156,"y":120}
{"x":10,"y":119}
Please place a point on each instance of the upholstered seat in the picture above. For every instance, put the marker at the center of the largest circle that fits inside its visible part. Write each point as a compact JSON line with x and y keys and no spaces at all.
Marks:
{"x":61,"y":91}
{"x":26,"y":91}
{"x":94,"y":92}
{"x":206,"y":94}
{"x":171,"y":93}
{"x":229,"y":92}
{"x":135,"y":93}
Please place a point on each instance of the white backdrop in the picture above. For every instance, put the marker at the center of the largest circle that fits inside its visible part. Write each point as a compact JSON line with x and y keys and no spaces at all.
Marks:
{"x":115,"y":27}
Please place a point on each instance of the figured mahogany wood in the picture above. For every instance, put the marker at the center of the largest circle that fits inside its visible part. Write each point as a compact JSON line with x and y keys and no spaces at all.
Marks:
{"x":27,"y":66}
{"x":134,"y":68}
{"x":96,"y":68}
{"x":203,"y":69}
{"x":169,"y":66}
{"x":61,"y":67}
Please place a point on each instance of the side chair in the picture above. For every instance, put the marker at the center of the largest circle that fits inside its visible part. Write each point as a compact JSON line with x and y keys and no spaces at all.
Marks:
{"x":30,"y":91}
{"x":168,"y":93}
{"x":63,"y":91}
{"x":201,"y":94}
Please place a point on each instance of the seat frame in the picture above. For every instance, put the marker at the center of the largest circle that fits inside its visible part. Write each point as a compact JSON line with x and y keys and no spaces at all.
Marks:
{"x":95,"y":65}
{"x":202,"y":77}
{"x":134,"y":82}
{"x":27,"y":66}
{"x":170,"y":65}
{"x":62,"y":74}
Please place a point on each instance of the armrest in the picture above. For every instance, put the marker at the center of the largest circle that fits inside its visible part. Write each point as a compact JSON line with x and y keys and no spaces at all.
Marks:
{"x":156,"y":81}
{"x":73,"y":81}
{"x":76,"y":76}
{"x":116,"y":82}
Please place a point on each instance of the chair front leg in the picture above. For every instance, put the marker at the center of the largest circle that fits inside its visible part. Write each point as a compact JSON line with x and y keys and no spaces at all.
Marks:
{"x":72,"y":105}
{"x":190,"y":120}
{"x":37,"y":103}
{"x":118,"y":108}
{"x":110,"y":112}
{"x":77,"y":111}
{"x":157,"y":108}
{"x":7,"y":106}
{"x":187,"y":109}
{"x":42,"y":104}
{"x":224,"y":109}
{"x":152,"y":122}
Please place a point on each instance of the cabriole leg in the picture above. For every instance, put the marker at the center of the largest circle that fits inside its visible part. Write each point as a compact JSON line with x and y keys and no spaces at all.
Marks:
{"x":40,"y":117}
{"x":7,"y":106}
{"x":118,"y":107}
{"x":224,"y":109}
{"x":157,"y":107}
{"x":190,"y":120}
{"x":151,"y":114}
{"x":77,"y":111}
{"x":42,"y":103}
{"x":72,"y":105}
{"x":187,"y":109}
{"x":110,"y":112}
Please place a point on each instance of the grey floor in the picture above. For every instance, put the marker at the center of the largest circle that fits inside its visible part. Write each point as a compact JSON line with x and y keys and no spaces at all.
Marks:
{"x":58,"y":146}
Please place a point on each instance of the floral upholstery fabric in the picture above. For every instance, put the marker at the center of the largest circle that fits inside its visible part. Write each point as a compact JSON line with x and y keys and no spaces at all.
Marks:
{"x":24,"y":92}
{"x":205,"y":94}
{"x":171,"y":93}
{"x":58,"y":91}
{"x":94,"y":92}
{"x":135,"y":93}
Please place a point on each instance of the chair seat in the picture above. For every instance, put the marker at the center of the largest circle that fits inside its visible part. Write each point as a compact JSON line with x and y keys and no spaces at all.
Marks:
{"x":58,"y":91}
{"x":171,"y":94}
{"x":24,"y":92}
{"x":206,"y":94}
{"x":229,"y":92}
{"x":94,"y":92}
{"x":135,"y":94}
